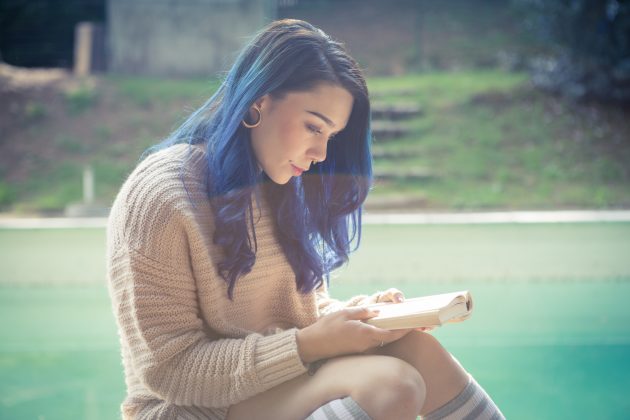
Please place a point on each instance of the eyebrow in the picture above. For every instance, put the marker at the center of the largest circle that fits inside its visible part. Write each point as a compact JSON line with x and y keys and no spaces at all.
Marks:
{"x":323,"y":117}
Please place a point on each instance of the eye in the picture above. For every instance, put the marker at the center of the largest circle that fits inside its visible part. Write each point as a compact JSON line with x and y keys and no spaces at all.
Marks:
{"x":316,"y":130}
{"x":313,"y":129}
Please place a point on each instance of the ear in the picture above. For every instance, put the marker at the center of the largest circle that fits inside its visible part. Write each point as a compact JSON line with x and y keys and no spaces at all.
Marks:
{"x":262,"y":102}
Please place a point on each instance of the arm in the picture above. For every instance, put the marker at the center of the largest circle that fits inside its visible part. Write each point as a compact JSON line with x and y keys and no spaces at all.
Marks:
{"x":165,"y":345}
{"x":170,"y":353}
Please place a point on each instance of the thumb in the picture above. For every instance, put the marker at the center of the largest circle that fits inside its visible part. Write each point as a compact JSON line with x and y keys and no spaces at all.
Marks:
{"x":361,"y":313}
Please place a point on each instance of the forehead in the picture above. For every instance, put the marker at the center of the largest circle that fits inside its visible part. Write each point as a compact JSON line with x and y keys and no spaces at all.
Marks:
{"x":331,"y":101}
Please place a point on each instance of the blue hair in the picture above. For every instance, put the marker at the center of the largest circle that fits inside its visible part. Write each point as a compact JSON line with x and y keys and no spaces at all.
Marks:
{"x":317,"y":215}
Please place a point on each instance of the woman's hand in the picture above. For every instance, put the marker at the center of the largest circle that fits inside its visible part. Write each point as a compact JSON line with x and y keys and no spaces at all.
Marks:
{"x":343,"y":332}
{"x":396,"y":296}
{"x":390,"y":295}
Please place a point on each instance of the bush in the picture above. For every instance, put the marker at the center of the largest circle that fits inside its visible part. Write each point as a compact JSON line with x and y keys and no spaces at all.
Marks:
{"x":79,"y":99}
{"x":7,"y":194}
{"x":590,"y":40}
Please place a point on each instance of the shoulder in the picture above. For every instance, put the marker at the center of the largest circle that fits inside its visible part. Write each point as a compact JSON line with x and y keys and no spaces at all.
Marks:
{"x":155,"y":195}
{"x":168,"y":164}
{"x":162,"y":175}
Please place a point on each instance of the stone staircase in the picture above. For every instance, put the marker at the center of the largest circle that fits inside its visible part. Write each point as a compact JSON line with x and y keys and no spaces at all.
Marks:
{"x":396,"y":112}
{"x":390,"y":122}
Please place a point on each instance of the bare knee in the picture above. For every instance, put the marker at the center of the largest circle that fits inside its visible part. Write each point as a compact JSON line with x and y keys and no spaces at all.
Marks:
{"x":390,"y":388}
{"x":424,"y":347}
{"x":444,"y":376}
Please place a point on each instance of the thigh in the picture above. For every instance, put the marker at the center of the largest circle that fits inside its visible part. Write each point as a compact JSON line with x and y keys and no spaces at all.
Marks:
{"x":421,"y":350}
{"x":443,"y":374}
{"x":337,"y":378}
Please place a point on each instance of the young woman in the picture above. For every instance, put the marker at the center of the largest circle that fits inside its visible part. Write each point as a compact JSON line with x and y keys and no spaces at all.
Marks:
{"x":220,"y":240}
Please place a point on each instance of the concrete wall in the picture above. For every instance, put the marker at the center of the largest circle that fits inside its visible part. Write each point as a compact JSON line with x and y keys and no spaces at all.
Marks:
{"x":185,"y":38}
{"x":385,"y":36}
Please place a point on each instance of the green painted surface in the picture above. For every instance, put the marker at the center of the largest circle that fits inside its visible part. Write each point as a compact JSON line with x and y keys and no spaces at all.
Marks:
{"x":549,"y":338}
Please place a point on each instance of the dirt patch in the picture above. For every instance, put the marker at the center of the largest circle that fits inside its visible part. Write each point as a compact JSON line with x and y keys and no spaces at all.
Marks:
{"x":52,"y":123}
{"x":19,"y":78}
{"x":33,"y":103}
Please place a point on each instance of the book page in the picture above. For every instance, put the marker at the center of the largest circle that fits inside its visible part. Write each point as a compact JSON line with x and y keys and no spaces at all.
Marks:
{"x":419,"y":304}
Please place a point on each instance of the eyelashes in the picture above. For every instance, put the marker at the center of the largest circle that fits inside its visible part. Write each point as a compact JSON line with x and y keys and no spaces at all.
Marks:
{"x":316,"y":130}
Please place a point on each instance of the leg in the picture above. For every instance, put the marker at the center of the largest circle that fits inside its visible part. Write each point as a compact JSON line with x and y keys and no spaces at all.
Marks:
{"x":445,"y":378}
{"x":384,"y":387}
{"x":451,"y":391}
{"x":340,"y":409}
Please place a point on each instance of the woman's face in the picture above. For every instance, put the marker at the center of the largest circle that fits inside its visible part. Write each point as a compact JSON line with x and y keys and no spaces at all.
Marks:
{"x":296,"y":129}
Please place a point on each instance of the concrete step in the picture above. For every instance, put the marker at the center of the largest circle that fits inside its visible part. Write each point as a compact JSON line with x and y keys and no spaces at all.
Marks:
{"x":396,"y":112}
{"x":396,"y":154}
{"x":385,"y":130}
{"x":394,"y":92}
{"x":414,"y":174}
{"x":395,"y":202}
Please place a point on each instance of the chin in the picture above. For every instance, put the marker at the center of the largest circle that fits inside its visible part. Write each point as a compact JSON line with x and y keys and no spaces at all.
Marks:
{"x":279,"y":179}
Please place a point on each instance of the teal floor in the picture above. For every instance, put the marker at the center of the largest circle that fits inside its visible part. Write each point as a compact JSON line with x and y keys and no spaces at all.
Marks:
{"x":549,"y":338}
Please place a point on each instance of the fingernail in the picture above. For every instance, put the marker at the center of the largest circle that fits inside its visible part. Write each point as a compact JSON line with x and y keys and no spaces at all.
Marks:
{"x":399,"y":298}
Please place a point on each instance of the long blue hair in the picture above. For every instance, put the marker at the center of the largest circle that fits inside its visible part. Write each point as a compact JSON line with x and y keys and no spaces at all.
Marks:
{"x":317,"y":215}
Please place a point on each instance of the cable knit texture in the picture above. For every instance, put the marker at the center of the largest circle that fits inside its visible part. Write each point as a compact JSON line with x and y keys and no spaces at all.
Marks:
{"x":187,"y":350}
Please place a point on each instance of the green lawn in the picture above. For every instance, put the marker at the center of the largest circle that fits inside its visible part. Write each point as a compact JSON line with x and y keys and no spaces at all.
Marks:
{"x":486,"y":137}
{"x":549,"y":337}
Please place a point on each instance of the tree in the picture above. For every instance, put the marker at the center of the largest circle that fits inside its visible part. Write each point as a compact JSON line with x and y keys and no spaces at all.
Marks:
{"x":590,"y":41}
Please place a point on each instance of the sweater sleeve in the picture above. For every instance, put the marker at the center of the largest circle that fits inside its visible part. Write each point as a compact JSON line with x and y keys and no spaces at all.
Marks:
{"x":165,"y":344}
{"x":171,"y":354}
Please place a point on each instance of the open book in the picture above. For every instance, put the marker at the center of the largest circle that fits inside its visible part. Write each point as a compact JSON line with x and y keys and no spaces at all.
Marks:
{"x":425,"y":311}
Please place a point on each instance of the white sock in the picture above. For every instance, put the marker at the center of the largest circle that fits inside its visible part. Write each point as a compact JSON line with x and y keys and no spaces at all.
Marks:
{"x":339,"y":409}
{"x":472,"y":403}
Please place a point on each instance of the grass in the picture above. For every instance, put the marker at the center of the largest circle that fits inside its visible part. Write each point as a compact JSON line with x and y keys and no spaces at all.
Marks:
{"x":488,"y":138}
{"x":549,"y":336}
{"x":146,"y":91}
{"x":491,"y":142}
{"x":80,"y":99}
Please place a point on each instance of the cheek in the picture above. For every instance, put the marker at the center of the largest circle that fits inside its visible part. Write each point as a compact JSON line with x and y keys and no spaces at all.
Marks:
{"x":284,"y":139}
{"x":293,"y":137}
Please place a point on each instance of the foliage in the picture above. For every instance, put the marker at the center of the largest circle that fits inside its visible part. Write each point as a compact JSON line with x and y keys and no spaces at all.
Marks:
{"x":7,"y":194}
{"x":80,"y":98}
{"x":591,"y":43}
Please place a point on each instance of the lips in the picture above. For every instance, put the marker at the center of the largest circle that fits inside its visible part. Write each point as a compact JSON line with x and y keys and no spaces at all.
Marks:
{"x":297,"y":170}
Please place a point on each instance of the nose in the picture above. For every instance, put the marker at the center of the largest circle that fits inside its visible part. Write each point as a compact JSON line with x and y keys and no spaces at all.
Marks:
{"x":317,"y":151}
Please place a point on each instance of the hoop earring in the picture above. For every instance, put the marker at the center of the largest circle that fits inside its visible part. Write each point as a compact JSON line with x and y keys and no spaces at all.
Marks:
{"x":257,"y":123}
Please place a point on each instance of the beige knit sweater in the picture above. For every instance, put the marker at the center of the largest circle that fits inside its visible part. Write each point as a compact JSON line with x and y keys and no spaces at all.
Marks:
{"x":187,"y":350}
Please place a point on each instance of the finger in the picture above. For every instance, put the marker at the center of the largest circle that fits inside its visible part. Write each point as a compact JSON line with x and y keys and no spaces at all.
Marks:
{"x":400,"y":332}
{"x":361,"y":312}
{"x":381,"y":334}
{"x":395,"y":295}
{"x":393,"y":335}
{"x":376,"y":333}
{"x":424,"y":329}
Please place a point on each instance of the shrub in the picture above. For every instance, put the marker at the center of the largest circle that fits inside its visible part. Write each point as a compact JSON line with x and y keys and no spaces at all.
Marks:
{"x":590,"y":40}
